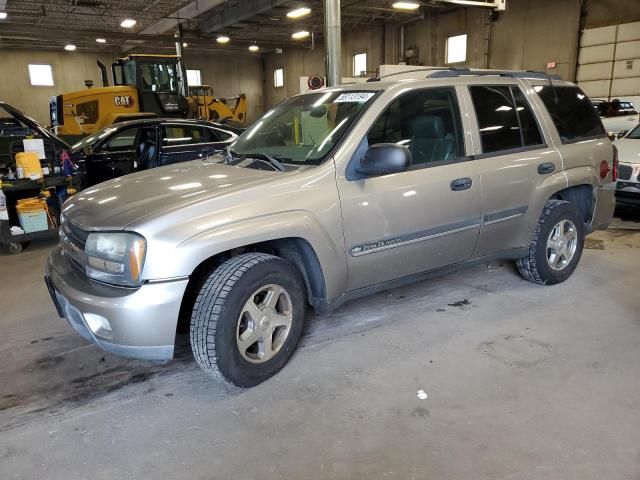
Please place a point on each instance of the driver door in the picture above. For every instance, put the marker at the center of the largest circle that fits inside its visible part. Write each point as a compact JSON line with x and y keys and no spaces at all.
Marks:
{"x":114,"y":157}
{"x":426,"y":217}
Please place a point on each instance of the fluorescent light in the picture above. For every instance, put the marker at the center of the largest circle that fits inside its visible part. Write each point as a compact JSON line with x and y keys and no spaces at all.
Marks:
{"x":128,"y":23}
{"x":299,"y":12}
{"x":254,"y":48}
{"x":300,"y":35}
{"x":406,"y":5}
{"x":101,"y":40}
{"x":3,"y":15}
{"x":70,"y":47}
{"x":222,"y":39}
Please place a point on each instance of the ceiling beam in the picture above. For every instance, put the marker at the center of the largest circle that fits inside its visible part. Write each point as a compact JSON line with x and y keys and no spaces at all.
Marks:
{"x":228,"y":15}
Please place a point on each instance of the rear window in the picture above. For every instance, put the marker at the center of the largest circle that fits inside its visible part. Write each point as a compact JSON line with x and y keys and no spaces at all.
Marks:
{"x":571,"y":112}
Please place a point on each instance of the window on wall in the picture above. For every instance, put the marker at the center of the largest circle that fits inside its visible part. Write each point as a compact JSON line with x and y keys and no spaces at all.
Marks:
{"x":40,"y":75}
{"x":194,"y":78}
{"x":278,"y":77}
{"x":456,"y":49}
{"x":359,"y":64}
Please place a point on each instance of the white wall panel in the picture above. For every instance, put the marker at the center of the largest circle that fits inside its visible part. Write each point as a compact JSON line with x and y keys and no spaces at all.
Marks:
{"x":596,"y":89}
{"x":595,"y":54}
{"x":594,"y":71}
{"x":598,"y":47}
{"x":598,"y":36}
{"x":628,"y":32}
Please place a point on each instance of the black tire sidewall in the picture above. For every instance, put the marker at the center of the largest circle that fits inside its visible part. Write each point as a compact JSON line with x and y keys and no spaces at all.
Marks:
{"x":564,"y":211}
{"x":230,"y":361}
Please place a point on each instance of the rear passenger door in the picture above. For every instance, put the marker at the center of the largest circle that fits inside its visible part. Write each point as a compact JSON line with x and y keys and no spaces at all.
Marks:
{"x":513,"y":158}
{"x":181,"y":143}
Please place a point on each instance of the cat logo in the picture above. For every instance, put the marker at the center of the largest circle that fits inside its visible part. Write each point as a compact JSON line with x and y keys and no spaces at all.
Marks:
{"x":123,"y":101}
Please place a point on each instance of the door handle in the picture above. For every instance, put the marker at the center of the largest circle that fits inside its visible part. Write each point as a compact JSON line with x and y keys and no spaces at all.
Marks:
{"x":545,"y":168}
{"x":461,"y":184}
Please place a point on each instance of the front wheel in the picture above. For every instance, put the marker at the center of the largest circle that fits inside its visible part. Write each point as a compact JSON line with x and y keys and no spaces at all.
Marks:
{"x":248,"y":318}
{"x":557,"y":245}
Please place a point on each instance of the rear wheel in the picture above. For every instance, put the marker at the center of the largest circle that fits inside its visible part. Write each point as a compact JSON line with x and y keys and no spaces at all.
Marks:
{"x":557,"y":245}
{"x":248,"y":318}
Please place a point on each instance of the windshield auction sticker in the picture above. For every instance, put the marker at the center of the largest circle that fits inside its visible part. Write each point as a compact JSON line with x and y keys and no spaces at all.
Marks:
{"x":354,"y":97}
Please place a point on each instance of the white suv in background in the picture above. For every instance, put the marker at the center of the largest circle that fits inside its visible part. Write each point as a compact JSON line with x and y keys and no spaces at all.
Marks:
{"x":628,"y":187}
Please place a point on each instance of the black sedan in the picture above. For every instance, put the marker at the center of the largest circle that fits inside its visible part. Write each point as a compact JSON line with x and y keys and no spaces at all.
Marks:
{"x":136,"y":145}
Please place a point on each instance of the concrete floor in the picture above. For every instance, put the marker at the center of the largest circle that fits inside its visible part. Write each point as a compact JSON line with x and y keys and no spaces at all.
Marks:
{"x":522,"y":382}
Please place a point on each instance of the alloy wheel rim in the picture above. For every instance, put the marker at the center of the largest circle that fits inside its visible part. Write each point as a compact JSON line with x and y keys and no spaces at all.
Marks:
{"x":264,"y":323}
{"x":562,"y":244}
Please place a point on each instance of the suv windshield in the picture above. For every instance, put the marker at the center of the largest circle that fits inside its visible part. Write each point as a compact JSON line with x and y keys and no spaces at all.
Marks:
{"x":93,"y":138}
{"x":304,"y":129}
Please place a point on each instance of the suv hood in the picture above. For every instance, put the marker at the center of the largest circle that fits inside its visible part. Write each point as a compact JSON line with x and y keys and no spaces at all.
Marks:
{"x":628,"y":150}
{"x":115,"y":204}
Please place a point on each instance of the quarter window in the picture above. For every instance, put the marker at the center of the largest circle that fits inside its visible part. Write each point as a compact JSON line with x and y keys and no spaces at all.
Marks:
{"x":425,"y":121}
{"x":505,"y":119}
{"x":571,"y":111}
{"x":181,"y":135}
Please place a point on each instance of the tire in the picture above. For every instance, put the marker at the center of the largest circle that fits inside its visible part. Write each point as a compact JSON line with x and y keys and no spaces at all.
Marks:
{"x":538,"y":266}
{"x":222,"y":315}
{"x":15,"y":247}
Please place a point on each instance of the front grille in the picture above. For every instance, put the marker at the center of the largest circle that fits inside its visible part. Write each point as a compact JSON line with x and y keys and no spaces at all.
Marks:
{"x":75,"y":235}
{"x":624,"y":172}
{"x":73,"y":240}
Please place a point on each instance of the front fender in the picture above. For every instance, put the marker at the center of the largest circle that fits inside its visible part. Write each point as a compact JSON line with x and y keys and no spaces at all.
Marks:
{"x":165,"y":262}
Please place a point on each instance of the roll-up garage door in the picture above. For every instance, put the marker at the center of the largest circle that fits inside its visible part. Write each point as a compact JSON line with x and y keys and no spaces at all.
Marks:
{"x":609,"y":62}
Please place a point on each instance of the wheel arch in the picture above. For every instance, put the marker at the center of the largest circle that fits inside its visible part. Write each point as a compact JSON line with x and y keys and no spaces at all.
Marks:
{"x":295,"y":250}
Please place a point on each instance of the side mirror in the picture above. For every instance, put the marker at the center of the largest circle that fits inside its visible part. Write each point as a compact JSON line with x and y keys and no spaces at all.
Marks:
{"x":622,"y":133}
{"x":384,"y":159}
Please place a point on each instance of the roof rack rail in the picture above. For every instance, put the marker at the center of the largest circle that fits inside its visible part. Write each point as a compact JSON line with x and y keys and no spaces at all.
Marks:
{"x":414,"y":70}
{"x":459,"y":72}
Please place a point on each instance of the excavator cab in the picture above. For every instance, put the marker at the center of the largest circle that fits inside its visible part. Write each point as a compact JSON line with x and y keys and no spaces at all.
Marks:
{"x":160,"y":81}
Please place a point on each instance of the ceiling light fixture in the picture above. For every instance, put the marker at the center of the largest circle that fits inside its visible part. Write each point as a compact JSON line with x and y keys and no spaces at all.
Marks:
{"x":70,"y":47}
{"x":299,"y":12}
{"x":223,"y":39}
{"x":406,"y":5}
{"x":254,"y":48}
{"x":101,"y":40}
{"x":300,"y":35}
{"x":3,"y":15}
{"x":128,"y":23}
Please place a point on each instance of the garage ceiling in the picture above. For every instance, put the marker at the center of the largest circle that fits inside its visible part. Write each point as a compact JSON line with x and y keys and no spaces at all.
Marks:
{"x":55,"y":23}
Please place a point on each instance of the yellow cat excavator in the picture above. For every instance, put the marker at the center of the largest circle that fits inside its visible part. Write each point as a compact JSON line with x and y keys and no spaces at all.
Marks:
{"x":209,"y":107}
{"x":144,"y":85}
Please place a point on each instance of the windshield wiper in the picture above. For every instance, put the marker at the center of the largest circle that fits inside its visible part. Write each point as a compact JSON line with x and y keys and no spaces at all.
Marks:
{"x":275,"y":161}
{"x":229,"y":156}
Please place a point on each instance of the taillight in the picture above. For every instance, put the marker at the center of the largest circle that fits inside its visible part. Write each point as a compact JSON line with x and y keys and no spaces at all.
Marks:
{"x":614,"y":172}
{"x":604,"y":169}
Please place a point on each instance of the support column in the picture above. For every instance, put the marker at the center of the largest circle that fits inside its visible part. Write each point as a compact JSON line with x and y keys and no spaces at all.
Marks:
{"x":332,"y":42}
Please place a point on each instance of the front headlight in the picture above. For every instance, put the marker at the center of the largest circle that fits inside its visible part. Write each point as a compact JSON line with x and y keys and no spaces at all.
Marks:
{"x":115,"y":258}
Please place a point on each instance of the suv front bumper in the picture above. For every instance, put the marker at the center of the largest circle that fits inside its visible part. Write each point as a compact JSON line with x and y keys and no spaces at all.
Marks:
{"x":137,"y":323}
